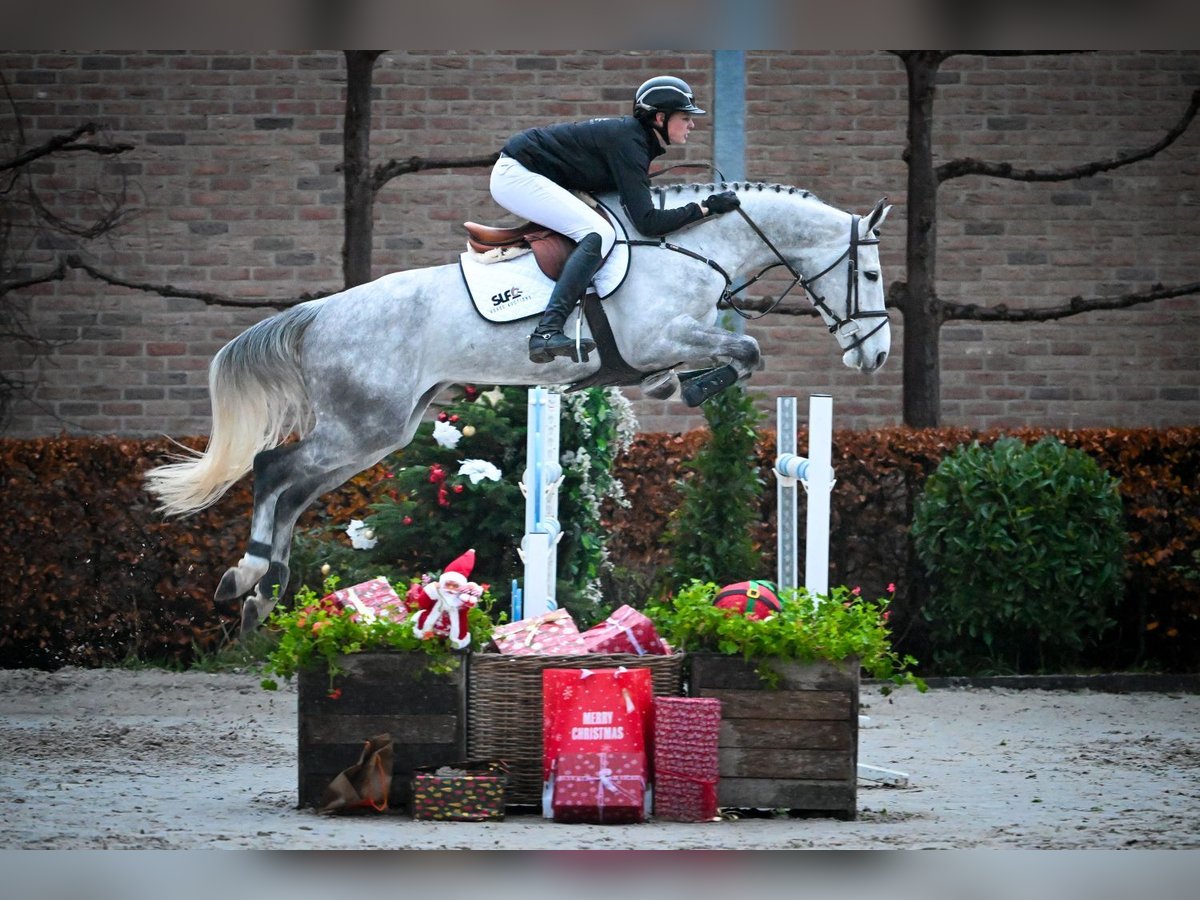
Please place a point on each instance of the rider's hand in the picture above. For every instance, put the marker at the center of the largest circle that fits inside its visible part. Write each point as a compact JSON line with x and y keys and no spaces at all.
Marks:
{"x":726,"y":201}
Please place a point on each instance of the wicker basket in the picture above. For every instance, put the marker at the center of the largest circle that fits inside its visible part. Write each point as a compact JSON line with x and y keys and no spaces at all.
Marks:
{"x":504,"y":707}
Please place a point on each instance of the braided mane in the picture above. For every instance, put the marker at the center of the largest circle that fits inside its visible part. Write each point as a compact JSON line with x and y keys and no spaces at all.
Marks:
{"x":735,"y":186}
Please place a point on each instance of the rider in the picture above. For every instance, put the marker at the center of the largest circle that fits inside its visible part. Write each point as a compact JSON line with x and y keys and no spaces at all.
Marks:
{"x":539,"y":168}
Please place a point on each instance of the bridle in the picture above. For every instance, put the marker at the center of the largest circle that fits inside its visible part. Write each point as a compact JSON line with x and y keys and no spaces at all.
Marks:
{"x":847,"y":327}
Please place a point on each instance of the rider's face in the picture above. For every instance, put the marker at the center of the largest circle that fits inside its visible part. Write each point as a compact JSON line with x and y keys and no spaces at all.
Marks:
{"x":678,"y":126}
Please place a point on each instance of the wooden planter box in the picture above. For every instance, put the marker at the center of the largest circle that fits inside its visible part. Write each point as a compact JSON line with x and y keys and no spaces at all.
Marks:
{"x":424,"y":712}
{"x":791,"y":747}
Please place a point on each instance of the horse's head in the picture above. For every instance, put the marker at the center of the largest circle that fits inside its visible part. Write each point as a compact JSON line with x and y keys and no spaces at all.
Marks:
{"x":847,"y":289}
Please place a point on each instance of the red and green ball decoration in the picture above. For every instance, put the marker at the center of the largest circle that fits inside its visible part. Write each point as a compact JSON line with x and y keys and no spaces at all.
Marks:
{"x":753,"y":599}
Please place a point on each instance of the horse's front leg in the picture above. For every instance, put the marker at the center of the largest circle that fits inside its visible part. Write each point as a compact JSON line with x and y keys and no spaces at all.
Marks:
{"x":729,"y":357}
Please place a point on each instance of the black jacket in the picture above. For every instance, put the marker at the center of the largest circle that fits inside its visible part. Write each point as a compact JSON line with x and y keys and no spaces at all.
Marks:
{"x":602,"y":155}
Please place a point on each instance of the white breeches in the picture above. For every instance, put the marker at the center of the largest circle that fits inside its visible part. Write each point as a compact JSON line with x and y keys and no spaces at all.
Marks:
{"x":538,"y":199}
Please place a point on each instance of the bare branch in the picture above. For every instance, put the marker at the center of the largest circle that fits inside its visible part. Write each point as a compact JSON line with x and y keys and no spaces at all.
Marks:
{"x":392,"y":168}
{"x":969,"y":166}
{"x":65,"y":143}
{"x":1074,"y":306}
{"x":167,"y":290}
{"x":55,"y":274}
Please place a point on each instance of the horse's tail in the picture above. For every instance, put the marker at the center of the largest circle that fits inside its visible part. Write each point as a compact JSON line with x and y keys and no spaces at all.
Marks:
{"x":258,"y":399}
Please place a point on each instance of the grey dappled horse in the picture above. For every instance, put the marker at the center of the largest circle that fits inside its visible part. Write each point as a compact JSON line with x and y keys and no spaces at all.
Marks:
{"x":353,"y":373}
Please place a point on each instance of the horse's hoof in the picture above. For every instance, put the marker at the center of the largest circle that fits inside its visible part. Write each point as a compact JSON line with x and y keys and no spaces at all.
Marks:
{"x":659,"y":387}
{"x":228,"y":588}
{"x":250,"y":617}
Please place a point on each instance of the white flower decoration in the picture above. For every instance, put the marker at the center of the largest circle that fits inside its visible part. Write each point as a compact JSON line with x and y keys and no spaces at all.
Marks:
{"x":361,"y":537}
{"x":446,"y":435}
{"x":479,"y":469}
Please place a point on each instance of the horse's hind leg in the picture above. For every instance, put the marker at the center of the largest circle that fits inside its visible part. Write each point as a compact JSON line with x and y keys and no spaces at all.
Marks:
{"x":291,"y":502}
{"x":270,"y":479}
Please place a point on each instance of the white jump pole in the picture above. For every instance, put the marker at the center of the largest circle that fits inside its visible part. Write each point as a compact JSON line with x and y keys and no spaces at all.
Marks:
{"x":540,"y":484}
{"x":816,"y":474}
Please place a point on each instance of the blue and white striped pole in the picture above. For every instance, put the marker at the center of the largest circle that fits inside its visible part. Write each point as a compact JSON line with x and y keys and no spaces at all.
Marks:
{"x":540,"y":483}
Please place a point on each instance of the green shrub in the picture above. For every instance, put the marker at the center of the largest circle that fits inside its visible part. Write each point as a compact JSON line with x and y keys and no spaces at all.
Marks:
{"x":1024,"y":548}
{"x":711,"y":532}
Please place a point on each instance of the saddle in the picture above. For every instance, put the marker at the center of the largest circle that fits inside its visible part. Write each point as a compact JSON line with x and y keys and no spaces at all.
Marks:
{"x":550,"y":248}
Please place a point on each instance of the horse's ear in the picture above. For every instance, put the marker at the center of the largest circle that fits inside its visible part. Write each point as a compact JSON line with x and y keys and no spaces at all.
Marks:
{"x":878,"y":214}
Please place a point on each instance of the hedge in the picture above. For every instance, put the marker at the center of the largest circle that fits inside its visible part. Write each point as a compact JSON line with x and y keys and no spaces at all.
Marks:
{"x":95,"y":575}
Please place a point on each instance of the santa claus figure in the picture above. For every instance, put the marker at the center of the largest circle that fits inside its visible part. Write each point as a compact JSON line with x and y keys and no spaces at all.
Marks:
{"x":442,"y":605}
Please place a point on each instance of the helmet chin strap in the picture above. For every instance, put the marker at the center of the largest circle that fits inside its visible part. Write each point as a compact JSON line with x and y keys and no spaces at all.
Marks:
{"x":662,"y":129}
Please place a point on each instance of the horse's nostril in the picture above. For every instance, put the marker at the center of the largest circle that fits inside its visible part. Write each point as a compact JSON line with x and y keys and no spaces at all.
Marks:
{"x":880,"y":359}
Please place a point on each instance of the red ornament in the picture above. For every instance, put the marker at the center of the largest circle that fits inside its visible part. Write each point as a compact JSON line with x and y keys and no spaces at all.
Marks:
{"x":408,"y":520}
{"x":754,"y":599}
{"x":442,"y":417}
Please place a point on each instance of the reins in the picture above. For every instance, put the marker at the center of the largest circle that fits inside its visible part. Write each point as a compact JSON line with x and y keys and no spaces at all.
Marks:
{"x":847,"y":326}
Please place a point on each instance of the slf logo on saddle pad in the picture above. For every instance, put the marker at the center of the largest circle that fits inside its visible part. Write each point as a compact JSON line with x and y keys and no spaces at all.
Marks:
{"x":507,"y":291}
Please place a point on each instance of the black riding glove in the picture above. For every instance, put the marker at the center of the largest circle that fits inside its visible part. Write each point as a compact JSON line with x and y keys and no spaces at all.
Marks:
{"x":726,"y":201}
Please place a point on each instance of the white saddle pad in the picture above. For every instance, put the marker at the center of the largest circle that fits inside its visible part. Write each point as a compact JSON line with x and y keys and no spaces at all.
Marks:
{"x":513,"y":287}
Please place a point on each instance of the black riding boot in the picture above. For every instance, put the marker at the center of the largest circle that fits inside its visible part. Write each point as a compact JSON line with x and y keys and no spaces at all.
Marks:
{"x":548,"y":340}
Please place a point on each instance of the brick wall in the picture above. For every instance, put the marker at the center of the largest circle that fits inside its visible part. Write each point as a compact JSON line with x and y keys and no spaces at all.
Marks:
{"x":235,"y":184}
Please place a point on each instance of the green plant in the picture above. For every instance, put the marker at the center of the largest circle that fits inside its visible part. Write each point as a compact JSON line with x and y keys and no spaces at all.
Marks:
{"x":842,"y":626}
{"x":1024,"y":548}
{"x":319,"y":631}
{"x":710,"y":533}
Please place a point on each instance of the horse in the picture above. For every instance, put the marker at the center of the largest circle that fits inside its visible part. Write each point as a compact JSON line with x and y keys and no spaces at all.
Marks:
{"x":352,"y":374}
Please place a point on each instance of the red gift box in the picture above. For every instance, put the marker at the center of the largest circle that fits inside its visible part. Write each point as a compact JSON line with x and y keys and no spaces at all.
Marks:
{"x":552,"y":634}
{"x":686,"y":758}
{"x":600,"y":788}
{"x":370,"y":600}
{"x":595,"y":711}
{"x":625,"y":631}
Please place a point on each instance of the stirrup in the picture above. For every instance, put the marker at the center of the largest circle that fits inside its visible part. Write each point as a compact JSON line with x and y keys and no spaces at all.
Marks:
{"x":698,"y":388}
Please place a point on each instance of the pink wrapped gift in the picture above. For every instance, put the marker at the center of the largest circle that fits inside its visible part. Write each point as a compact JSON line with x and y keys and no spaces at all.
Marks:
{"x":625,"y":631}
{"x":600,"y":788}
{"x":371,"y":600}
{"x":686,"y":759}
{"x":552,"y":634}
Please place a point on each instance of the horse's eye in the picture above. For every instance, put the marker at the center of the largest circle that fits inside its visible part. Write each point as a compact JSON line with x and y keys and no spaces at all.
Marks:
{"x":871,"y":276}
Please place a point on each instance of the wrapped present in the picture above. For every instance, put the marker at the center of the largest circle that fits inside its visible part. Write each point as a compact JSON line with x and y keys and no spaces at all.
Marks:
{"x":600,"y":788}
{"x":471,"y":791}
{"x":625,"y":631}
{"x":552,"y":634}
{"x":686,"y":758}
{"x":371,"y":600}
{"x":595,"y":711}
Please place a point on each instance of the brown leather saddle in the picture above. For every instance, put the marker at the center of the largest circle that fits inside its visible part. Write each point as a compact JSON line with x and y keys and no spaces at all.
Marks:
{"x":550,"y":248}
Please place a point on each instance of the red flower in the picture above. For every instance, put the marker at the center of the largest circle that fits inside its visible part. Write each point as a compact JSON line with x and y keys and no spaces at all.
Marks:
{"x":436,"y":474}
{"x":443,"y":497}
{"x":335,"y":694}
{"x":458,"y":489}
{"x":891,"y":587}
{"x":856,"y":591}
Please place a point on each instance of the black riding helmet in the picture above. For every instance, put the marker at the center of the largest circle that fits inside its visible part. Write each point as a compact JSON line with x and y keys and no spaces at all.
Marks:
{"x":665,"y":93}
